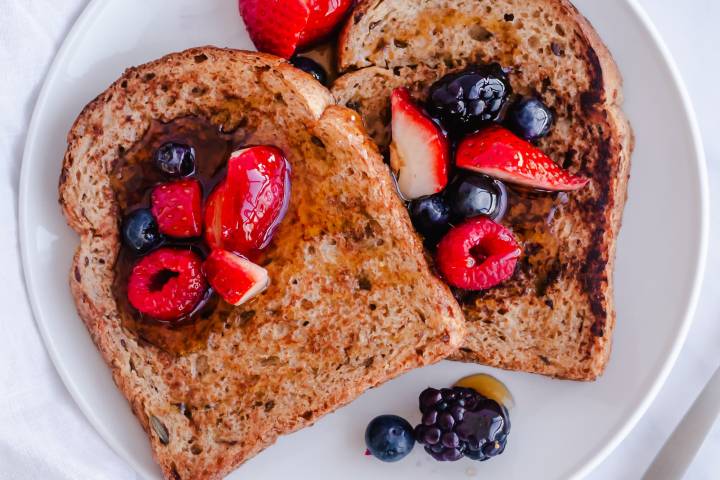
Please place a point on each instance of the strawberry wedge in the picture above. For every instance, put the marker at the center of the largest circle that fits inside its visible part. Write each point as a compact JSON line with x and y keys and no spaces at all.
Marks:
{"x":497,"y":152}
{"x":234,"y":278}
{"x":419,"y":152}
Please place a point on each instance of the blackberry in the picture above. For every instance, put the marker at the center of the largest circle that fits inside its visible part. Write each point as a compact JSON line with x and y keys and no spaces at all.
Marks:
{"x":464,"y":101}
{"x":459,"y":422}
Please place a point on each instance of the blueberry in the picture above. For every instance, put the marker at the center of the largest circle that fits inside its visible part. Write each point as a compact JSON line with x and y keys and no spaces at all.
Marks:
{"x":310,"y":66}
{"x":175,"y":159}
{"x":431,"y":216}
{"x":465,"y":101}
{"x":530,"y":118}
{"x":389,"y":438}
{"x":140,"y":231}
{"x":471,"y":195}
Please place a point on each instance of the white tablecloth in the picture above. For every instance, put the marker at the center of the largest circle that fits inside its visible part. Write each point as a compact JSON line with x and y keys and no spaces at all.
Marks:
{"x":44,"y":436}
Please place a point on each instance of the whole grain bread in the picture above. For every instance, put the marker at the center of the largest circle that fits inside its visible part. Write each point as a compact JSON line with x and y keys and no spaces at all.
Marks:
{"x":556,"y":315}
{"x":351,"y":304}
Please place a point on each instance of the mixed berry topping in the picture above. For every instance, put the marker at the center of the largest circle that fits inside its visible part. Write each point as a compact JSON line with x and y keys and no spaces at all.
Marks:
{"x":466,"y":101}
{"x":241,"y":215}
{"x":459,"y":220}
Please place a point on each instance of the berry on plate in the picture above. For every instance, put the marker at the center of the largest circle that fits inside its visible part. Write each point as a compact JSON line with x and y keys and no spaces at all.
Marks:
{"x":477,"y":255}
{"x":459,"y":422}
{"x":234,"y":278}
{"x":167,"y":284}
{"x":177,"y":206}
{"x":389,"y":438}
{"x":497,"y":152}
{"x":140,"y":231}
{"x":465,"y":101}
{"x":245,"y":209}
{"x":419,"y":151}
{"x":281,"y":27}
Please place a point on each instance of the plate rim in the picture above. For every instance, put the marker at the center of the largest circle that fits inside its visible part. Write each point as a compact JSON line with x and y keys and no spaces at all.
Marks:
{"x":95,"y":7}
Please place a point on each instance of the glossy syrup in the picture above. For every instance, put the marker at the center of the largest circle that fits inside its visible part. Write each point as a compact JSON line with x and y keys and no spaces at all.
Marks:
{"x":132,"y":180}
{"x":489,"y":387}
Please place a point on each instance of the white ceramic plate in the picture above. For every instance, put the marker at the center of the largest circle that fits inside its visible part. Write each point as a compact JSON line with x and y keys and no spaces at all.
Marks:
{"x":560,"y":429}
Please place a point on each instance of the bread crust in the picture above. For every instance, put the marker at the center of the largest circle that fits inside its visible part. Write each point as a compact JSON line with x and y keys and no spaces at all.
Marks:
{"x":564,"y":328}
{"x":352,"y":302}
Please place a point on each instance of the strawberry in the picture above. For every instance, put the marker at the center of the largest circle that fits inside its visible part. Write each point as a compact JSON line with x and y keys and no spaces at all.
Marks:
{"x":245,"y":209}
{"x":477,"y":255}
{"x":167,"y":284}
{"x":282,"y":26}
{"x":325,"y":15}
{"x":177,"y":206}
{"x":497,"y":152}
{"x":275,"y":26}
{"x":234,"y":278}
{"x":419,"y":152}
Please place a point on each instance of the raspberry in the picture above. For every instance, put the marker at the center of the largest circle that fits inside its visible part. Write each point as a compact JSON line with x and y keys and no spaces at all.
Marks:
{"x":459,"y":422}
{"x":167,"y":284}
{"x":477,"y":255}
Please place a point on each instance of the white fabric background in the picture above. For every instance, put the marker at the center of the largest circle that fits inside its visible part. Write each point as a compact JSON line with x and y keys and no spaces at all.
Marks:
{"x":44,"y":436}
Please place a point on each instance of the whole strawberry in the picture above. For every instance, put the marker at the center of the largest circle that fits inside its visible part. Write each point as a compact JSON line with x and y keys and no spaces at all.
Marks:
{"x":281,"y":27}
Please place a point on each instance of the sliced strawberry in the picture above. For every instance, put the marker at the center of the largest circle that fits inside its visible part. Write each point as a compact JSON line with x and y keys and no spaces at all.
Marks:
{"x":497,"y":152}
{"x":477,"y":255}
{"x":275,"y":26}
{"x":325,"y":16}
{"x":167,"y":284}
{"x":419,"y":152}
{"x":244,"y":211}
{"x":177,"y":206}
{"x":234,"y":278}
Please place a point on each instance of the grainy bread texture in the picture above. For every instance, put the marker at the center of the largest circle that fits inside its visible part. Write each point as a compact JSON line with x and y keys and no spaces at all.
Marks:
{"x":352,"y":302}
{"x":556,"y":316}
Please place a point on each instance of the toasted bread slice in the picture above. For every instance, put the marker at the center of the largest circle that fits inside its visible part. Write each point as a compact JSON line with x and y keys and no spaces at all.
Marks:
{"x":351,"y":304}
{"x":556,"y":315}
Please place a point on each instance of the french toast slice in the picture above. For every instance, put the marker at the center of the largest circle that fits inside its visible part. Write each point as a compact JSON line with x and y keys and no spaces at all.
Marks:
{"x":352,"y":302}
{"x":556,"y":315}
